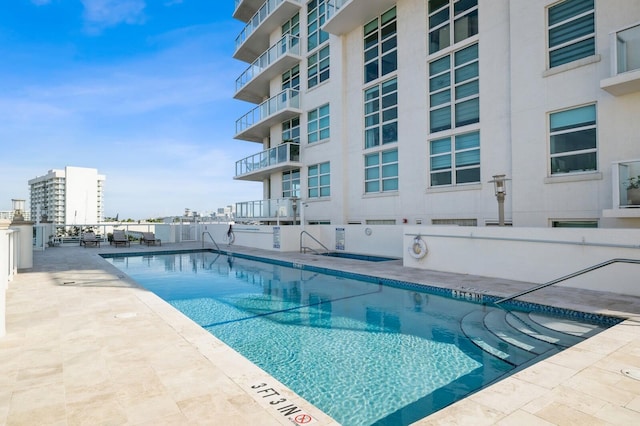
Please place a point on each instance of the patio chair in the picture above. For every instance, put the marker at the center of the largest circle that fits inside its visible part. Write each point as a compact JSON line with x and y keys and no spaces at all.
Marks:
{"x":149,"y":238}
{"x":89,"y":239}
{"x":120,"y":238}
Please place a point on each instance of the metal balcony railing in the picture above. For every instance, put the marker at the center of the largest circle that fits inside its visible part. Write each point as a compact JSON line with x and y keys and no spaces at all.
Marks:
{"x":288,"y":98}
{"x":288,"y":44}
{"x":281,"y":154}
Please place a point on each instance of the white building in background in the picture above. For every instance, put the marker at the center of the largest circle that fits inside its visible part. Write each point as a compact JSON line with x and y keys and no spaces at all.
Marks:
{"x":71,"y":196}
{"x":390,"y":112}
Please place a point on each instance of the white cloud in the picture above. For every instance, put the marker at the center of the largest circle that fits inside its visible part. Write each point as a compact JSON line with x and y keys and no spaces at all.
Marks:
{"x":101,"y":14}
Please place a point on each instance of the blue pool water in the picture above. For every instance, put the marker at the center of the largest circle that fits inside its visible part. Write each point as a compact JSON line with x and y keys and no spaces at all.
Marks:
{"x":362,"y":352}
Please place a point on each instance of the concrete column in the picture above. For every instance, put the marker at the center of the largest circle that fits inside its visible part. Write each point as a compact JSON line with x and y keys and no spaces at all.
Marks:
{"x":24,"y":244}
{"x":4,"y":273}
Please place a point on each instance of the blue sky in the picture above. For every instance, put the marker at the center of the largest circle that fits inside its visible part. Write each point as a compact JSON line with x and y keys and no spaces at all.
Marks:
{"x":141,"y":90}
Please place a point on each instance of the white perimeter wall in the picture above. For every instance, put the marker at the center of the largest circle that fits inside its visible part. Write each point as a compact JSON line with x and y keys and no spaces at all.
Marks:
{"x":536,"y":255}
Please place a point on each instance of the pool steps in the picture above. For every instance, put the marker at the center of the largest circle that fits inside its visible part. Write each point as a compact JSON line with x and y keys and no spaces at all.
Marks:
{"x":519,"y":337}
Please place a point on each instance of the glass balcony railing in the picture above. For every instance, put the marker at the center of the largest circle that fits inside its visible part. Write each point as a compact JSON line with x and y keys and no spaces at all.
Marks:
{"x":625,"y":65}
{"x":288,"y":98}
{"x":281,"y":154}
{"x":265,"y":10}
{"x":333,"y":6}
{"x":281,"y":208}
{"x":628,"y":49}
{"x":626,"y":181}
{"x":286,"y":45}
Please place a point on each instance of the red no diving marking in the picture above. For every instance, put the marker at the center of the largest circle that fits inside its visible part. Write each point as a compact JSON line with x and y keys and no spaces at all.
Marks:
{"x":303,"y":419}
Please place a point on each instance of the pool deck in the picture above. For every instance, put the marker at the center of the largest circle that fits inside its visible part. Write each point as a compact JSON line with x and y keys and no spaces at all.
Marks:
{"x":86,"y":346}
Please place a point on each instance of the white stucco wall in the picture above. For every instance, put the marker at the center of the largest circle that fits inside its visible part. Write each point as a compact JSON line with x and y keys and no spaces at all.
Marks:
{"x":531,"y":254}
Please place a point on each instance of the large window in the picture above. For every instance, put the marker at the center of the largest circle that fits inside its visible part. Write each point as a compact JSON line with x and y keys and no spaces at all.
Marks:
{"x":381,"y":171}
{"x":318,"y":124}
{"x":573,"y":140}
{"x":316,"y":17}
{"x":381,"y":114}
{"x":571,"y":31}
{"x":380,"y":46}
{"x":292,"y":26}
{"x":319,"y":180}
{"x":291,"y":130}
{"x":461,"y":15}
{"x":291,"y":184}
{"x":454,"y":87}
{"x":291,"y":78}
{"x":455,"y":160}
{"x":318,"y":67}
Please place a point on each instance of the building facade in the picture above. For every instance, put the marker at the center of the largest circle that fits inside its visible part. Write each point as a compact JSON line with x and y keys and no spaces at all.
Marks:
{"x":391,"y":112}
{"x":71,"y":196}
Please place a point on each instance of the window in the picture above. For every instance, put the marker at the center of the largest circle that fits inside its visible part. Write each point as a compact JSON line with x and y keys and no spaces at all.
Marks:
{"x":291,"y":184}
{"x":462,"y":15}
{"x":381,"y":114}
{"x":316,"y":17}
{"x":318,"y":124}
{"x":292,"y":26}
{"x":291,"y":78}
{"x":573,"y":140}
{"x":291,"y":130}
{"x":381,"y":171}
{"x":319,"y":180}
{"x":574,"y":224}
{"x":318,"y":67}
{"x":454,"y":87}
{"x":380,"y":46}
{"x":457,"y":164}
{"x":571,"y":31}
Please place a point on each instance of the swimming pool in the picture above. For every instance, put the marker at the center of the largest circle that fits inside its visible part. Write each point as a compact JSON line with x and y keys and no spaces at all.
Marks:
{"x":363,"y":352}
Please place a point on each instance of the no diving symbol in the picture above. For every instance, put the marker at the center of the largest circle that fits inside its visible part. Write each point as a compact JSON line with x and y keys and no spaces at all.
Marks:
{"x":303,"y":419}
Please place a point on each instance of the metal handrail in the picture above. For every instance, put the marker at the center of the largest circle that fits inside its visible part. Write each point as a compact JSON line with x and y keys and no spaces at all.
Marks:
{"x":212,"y":240}
{"x":314,"y":239}
{"x":566,"y":277}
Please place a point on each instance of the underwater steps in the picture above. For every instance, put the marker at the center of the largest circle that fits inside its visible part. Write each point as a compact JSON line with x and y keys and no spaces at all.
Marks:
{"x":519,"y":337}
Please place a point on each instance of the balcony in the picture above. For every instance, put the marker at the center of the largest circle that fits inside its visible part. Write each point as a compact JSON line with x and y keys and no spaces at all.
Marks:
{"x":245,"y":9}
{"x":254,"y":38}
{"x":256,"y":124}
{"x":625,"y":190}
{"x":281,"y":209}
{"x":625,"y":65}
{"x":277,"y":159}
{"x":253,"y":84}
{"x":344,"y":16}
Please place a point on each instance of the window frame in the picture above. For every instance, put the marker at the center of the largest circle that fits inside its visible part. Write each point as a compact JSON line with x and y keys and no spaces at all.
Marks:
{"x":316,"y":18}
{"x":291,"y":130}
{"x":316,"y":187}
{"x":579,"y":39}
{"x":319,"y":66}
{"x":573,"y":130}
{"x":447,"y":16}
{"x":385,"y":45}
{"x":319,"y":133}
{"x":454,"y":153}
{"x":379,"y":175}
{"x":375,"y":110}
{"x":289,"y":177}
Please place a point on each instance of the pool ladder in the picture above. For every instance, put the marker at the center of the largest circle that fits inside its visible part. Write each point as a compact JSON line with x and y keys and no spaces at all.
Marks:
{"x":566,"y":277}
{"x":212,"y":240}
{"x":304,"y":249}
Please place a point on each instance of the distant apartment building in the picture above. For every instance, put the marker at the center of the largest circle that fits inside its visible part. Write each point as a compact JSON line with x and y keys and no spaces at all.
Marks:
{"x":402,"y":111}
{"x":71,"y":196}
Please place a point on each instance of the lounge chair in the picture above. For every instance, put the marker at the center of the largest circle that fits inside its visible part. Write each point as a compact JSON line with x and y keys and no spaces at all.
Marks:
{"x":149,"y":238}
{"x":120,"y":238}
{"x":89,"y":239}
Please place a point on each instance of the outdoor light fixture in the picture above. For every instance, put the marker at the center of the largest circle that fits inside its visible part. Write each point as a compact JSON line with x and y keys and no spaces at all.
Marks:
{"x":500,"y":188}
{"x":294,"y":206}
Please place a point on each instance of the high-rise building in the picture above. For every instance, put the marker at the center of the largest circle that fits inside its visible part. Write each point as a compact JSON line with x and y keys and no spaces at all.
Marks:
{"x":71,"y":196}
{"x":389,"y":112}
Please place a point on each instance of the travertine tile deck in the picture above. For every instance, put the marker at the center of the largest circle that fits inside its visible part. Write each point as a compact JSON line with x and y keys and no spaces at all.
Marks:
{"x":86,"y":346}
